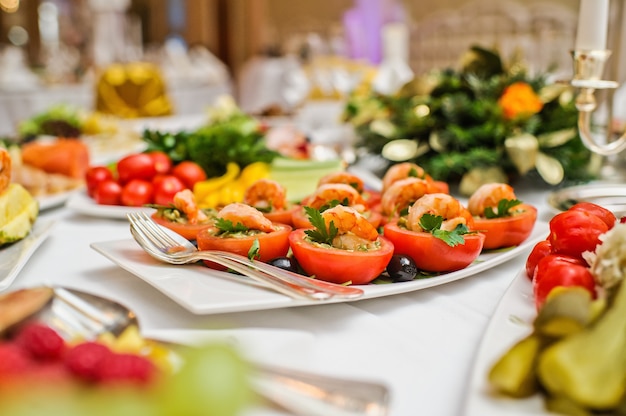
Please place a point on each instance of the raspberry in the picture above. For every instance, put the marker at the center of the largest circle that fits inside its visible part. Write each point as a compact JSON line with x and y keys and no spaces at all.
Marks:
{"x":41,"y":341}
{"x":49,"y":372}
{"x":14,"y":360}
{"x":127,"y":368}
{"x":84,"y":360}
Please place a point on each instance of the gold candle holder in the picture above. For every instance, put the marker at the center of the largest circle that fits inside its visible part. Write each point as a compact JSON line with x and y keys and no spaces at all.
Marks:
{"x":588,"y":71}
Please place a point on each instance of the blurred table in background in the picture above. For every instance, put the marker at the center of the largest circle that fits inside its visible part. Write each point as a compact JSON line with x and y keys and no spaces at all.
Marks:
{"x":15,"y":106}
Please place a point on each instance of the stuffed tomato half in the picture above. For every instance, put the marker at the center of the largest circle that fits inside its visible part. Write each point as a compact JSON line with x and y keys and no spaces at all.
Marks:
{"x":343,"y":247}
{"x":183,"y":216}
{"x":498,"y":214}
{"x":270,"y":197}
{"x":507,"y":231}
{"x":243,"y":230}
{"x":436,"y":234}
{"x":329,"y":195}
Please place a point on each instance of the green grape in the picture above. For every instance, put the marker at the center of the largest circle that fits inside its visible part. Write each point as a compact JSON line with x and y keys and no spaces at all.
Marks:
{"x":213,"y":381}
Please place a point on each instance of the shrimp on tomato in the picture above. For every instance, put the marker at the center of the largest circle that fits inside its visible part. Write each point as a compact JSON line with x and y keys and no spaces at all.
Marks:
{"x":339,"y":192}
{"x":5,"y":169}
{"x":266,"y":195}
{"x":354,"y":231}
{"x":489,"y":195}
{"x":439,"y":204}
{"x":186,"y":202}
{"x":402,"y":171}
{"x":345,"y":178}
{"x":402,"y":193}
{"x":249,"y":217}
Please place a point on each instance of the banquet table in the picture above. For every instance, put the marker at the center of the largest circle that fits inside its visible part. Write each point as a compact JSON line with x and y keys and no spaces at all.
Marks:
{"x":420,"y":344}
{"x":17,"y":106}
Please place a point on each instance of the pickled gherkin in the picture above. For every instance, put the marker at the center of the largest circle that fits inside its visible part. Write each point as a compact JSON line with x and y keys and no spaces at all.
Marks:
{"x":567,"y":311}
{"x":514,"y":374}
{"x":589,"y":367}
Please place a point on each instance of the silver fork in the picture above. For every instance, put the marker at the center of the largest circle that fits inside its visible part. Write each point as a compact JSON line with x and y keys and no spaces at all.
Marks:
{"x":168,"y":246}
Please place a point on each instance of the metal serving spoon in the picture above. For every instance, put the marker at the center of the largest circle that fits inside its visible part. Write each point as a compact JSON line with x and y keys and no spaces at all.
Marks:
{"x":76,"y":314}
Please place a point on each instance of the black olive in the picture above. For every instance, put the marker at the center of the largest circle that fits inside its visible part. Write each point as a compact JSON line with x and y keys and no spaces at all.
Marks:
{"x":285,"y":263}
{"x":401,"y":268}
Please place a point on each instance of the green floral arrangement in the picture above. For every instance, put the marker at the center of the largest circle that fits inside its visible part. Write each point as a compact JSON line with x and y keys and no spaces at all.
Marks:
{"x":483,"y":123}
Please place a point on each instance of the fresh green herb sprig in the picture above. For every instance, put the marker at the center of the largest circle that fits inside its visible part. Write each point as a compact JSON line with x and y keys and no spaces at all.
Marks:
{"x":238,"y":139}
{"x":432,"y":224}
{"x":333,"y":203}
{"x":227,"y":227}
{"x":503,"y":209}
{"x":320,"y":234}
{"x":255,"y":250}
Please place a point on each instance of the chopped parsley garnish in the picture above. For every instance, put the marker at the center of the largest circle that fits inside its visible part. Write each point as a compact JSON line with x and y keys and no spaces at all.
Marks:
{"x":503,"y":209}
{"x":227,"y":226}
{"x":320,"y":234}
{"x":414,"y":174}
{"x":255,"y":250}
{"x":432,"y":224}
{"x":333,"y":203}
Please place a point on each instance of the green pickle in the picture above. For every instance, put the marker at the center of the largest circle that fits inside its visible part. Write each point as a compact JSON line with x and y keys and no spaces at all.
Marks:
{"x":589,"y":368}
{"x":560,"y":357}
{"x":514,"y":374}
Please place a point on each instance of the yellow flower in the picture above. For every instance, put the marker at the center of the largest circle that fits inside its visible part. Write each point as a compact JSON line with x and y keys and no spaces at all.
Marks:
{"x":519,"y":99}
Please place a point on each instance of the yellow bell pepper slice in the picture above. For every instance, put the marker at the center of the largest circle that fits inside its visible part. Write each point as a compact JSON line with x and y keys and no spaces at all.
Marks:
{"x":203,"y":188}
{"x":254,"y":172}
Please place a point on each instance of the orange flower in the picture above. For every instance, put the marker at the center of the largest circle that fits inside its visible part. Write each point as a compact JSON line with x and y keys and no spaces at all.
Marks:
{"x":519,"y":99}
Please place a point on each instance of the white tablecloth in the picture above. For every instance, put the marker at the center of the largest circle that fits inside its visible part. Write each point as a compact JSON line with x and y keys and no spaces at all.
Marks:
{"x":421,"y":344}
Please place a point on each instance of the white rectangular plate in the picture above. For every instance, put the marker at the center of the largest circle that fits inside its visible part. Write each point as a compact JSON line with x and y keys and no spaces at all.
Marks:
{"x":205,"y":291}
{"x":13,"y":257}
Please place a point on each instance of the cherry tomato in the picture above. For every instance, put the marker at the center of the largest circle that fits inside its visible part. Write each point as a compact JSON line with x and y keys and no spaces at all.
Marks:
{"x":431,"y":253}
{"x":337,"y":265}
{"x":135,"y":166}
{"x":95,"y":175}
{"x":575,"y":231}
{"x":189,"y":172}
{"x":271,"y":245}
{"x":108,"y":192}
{"x":555,"y":270}
{"x":165,"y":187}
{"x":189,"y":231}
{"x":162,"y":162}
{"x":507,"y":231}
{"x":137,"y":193}
{"x":605,"y":215}
{"x":539,"y":251}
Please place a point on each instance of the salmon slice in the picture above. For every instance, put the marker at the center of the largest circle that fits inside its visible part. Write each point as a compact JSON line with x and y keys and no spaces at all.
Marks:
{"x":68,"y":157}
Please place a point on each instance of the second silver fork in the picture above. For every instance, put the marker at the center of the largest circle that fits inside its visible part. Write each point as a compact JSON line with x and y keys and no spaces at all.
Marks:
{"x":165,"y":245}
